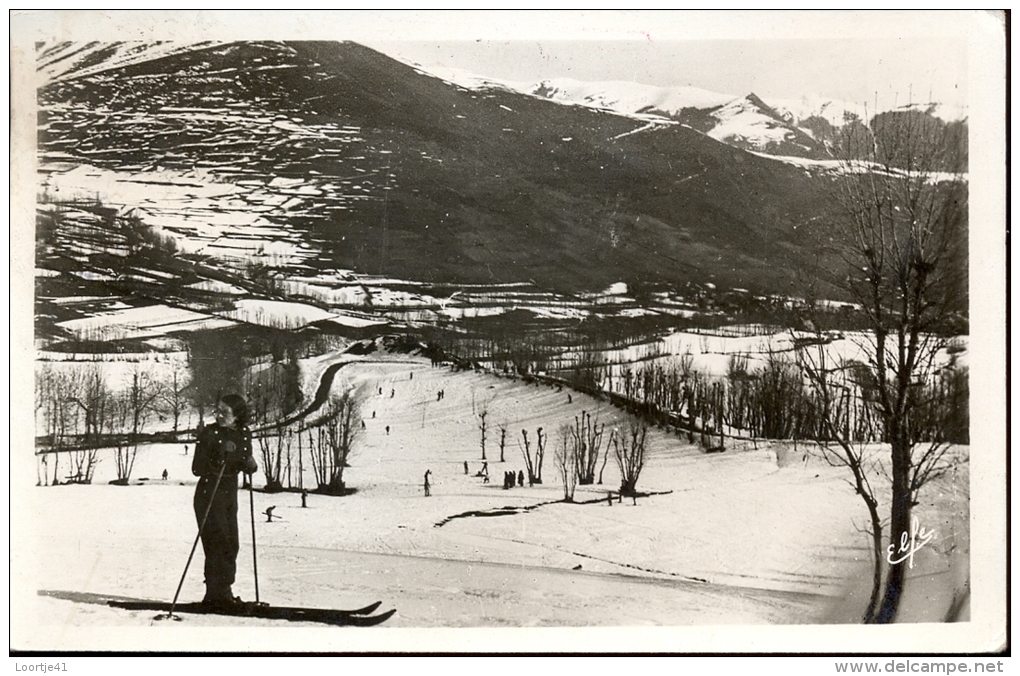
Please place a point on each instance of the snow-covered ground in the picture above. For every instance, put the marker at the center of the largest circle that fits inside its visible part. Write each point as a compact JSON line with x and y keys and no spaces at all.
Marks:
{"x":753,"y":536}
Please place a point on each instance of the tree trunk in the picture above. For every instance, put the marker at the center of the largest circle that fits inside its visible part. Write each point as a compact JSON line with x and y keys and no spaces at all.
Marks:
{"x":899,"y":527}
{"x":876,"y":580}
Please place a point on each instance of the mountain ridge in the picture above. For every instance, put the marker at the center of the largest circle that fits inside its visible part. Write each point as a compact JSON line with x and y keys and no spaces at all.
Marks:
{"x":396,"y":172}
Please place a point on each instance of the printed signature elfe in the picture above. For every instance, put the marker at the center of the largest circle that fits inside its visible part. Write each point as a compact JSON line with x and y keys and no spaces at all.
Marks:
{"x":910,"y":543}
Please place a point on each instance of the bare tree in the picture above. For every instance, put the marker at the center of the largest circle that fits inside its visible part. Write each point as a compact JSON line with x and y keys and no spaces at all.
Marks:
{"x":502,"y":442}
{"x":629,"y":450}
{"x":565,"y":458}
{"x":331,"y":442}
{"x":483,"y":427}
{"x":533,"y":461}
{"x":173,"y":394}
{"x":903,"y":222}
{"x":87,"y":389}
{"x":586,"y":438}
{"x":269,"y":403}
{"x":833,"y":391}
{"x":136,"y":404}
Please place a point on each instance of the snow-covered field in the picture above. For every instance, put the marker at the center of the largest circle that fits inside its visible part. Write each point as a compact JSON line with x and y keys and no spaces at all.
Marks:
{"x":753,"y":536}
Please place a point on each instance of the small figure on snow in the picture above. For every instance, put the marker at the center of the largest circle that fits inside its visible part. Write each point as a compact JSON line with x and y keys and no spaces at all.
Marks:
{"x":570,"y":399}
{"x":392,"y":392}
{"x":362,"y":424}
{"x":373,"y":415}
{"x":304,"y":497}
{"x":520,"y":478}
{"x":465,"y":467}
{"x":269,"y":514}
{"x":166,"y":475}
{"x":185,"y":449}
{"x":428,"y":487}
{"x":387,"y":430}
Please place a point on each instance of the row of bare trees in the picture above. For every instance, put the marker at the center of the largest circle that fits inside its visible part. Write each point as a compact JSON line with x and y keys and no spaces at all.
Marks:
{"x":81,"y":413}
{"x":581,"y":450}
{"x":779,"y":399}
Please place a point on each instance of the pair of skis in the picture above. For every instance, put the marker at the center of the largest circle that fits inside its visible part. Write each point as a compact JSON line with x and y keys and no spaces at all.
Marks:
{"x":357,"y":617}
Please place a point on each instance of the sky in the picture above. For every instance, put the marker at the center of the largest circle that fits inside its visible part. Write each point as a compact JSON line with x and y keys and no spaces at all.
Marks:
{"x":858,"y":70}
{"x":853,"y":55}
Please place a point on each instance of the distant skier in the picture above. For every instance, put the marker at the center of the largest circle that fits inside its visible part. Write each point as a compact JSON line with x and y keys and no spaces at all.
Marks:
{"x":465,"y":467}
{"x":185,"y":449}
{"x":428,"y":487}
{"x":304,"y":497}
{"x":392,"y":392}
{"x":362,"y":424}
{"x":166,"y":475}
{"x":223,"y":450}
{"x":570,"y":399}
{"x":520,"y":478}
{"x":269,"y":514}
{"x":387,"y":430}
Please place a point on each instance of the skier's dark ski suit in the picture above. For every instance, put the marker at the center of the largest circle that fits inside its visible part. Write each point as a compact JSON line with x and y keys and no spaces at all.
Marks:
{"x":219,"y":536}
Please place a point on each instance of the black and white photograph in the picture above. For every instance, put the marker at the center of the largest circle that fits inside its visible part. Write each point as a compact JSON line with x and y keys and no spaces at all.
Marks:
{"x":508,"y":332}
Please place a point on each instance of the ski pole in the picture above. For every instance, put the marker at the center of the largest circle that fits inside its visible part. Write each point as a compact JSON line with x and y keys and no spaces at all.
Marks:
{"x":194,"y":546}
{"x":254,"y":557}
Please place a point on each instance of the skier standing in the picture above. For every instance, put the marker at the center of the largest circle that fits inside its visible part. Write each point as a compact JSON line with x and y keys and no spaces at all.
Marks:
{"x":224,"y":446}
{"x":428,"y":487}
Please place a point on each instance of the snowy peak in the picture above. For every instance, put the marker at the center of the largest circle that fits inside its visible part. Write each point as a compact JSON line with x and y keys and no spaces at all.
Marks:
{"x":751,"y":124}
{"x":628,"y":97}
{"x":746,"y":122}
{"x":788,"y":127}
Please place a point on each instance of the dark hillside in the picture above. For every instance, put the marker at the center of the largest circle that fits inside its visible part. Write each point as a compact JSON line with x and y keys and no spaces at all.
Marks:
{"x":413,"y":177}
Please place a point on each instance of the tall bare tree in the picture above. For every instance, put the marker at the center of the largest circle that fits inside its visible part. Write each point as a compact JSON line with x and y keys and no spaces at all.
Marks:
{"x":586,"y":441}
{"x":533,"y":460}
{"x":902,"y":220}
{"x":342,"y":431}
{"x":483,"y":427}
{"x":629,"y":450}
{"x":565,"y":458}
{"x":173,"y":393}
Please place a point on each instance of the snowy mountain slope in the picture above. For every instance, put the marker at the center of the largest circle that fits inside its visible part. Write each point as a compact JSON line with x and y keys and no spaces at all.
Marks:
{"x":750,"y":536}
{"x":65,"y":60}
{"x":834,"y":111}
{"x":751,"y":124}
{"x":377,"y":167}
{"x":786,"y":127}
{"x":743,"y":122}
